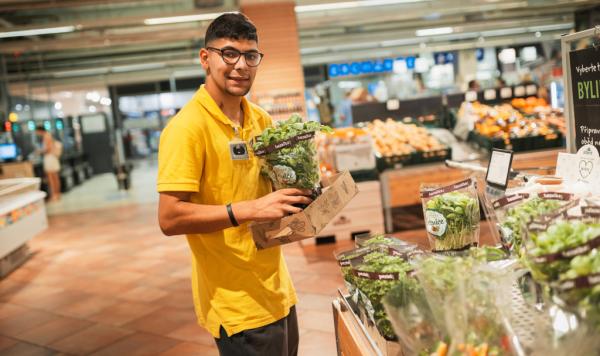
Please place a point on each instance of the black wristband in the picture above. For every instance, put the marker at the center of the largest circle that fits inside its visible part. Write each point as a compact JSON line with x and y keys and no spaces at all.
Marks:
{"x":231,"y":216}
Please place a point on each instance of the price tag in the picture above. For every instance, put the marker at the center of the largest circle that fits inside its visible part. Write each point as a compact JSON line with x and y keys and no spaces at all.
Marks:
{"x":471,"y":96}
{"x":392,"y":104}
{"x":499,"y":168}
{"x":531,"y":89}
{"x":520,"y":91}
{"x":505,"y":93}
{"x":489,"y":94}
{"x":583,"y":167}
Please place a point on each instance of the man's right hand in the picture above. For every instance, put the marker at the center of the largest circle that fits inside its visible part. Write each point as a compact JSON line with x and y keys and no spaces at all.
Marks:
{"x":272,"y":206}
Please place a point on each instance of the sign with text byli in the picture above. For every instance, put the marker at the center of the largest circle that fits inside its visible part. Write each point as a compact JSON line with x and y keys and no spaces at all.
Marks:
{"x":582,"y":168}
{"x":338,"y":192}
{"x":585,"y":82}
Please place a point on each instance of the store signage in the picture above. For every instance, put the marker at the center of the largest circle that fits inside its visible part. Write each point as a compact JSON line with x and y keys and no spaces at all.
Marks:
{"x":392,"y":104}
{"x":582,"y":168}
{"x":499,"y":168}
{"x":443,"y":57}
{"x":505,"y":93}
{"x":520,"y":90}
{"x":359,"y":68}
{"x":479,"y":54}
{"x":585,"y":83}
{"x":489,"y":94}
{"x":471,"y":96}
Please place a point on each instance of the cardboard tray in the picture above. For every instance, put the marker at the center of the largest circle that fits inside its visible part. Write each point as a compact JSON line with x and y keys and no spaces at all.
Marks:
{"x":337,"y":193}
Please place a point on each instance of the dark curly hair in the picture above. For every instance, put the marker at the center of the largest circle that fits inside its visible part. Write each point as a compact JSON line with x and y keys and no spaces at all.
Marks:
{"x":232,"y":25}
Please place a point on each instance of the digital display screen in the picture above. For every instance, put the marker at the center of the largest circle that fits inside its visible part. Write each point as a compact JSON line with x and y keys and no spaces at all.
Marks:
{"x":8,"y":151}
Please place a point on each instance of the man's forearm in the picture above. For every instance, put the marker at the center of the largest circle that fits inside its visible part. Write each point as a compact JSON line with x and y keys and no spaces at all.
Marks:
{"x":189,"y":218}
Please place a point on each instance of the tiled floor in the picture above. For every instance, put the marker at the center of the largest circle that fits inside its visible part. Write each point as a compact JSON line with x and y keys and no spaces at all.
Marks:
{"x":106,"y":282}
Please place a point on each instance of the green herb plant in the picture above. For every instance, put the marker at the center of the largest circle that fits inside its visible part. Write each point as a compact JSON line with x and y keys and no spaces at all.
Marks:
{"x":296,"y":166}
{"x":517,"y":216}
{"x":460,"y":212}
{"x":375,"y":290}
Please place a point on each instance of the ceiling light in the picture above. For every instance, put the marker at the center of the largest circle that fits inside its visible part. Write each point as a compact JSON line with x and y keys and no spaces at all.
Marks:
{"x":179,"y":19}
{"x":58,"y":105}
{"x":37,"y":31}
{"x":434,"y":31}
{"x":136,"y":67}
{"x":351,"y":5}
{"x":538,"y":34}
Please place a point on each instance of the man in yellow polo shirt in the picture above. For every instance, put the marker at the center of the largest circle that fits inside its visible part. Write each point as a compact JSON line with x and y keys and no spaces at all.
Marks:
{"x":210,"y":188}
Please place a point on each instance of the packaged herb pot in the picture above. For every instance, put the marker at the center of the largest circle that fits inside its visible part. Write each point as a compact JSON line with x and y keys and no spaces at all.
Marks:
{"x":451,"y":215}
{"x":375,"y":275}
{"x":289,"y":154}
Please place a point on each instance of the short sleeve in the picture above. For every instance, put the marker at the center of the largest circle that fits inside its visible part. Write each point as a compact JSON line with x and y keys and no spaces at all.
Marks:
{"x":181,"y":157}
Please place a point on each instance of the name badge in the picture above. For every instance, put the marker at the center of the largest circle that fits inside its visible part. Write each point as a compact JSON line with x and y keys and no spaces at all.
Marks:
{"x":238,"y":150}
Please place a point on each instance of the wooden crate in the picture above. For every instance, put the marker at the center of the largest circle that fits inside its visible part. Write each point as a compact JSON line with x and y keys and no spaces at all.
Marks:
{"x":354,"y":338}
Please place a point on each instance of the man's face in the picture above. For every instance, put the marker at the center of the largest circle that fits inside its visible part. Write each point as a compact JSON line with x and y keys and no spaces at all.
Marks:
{"x":233,"y":79}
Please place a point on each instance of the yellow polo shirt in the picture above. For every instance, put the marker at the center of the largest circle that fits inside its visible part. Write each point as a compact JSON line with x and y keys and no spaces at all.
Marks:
{"x":234,"y":284}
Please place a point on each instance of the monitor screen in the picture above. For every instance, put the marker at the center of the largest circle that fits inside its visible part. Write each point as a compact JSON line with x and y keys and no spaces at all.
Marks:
{"x":8,"y":151}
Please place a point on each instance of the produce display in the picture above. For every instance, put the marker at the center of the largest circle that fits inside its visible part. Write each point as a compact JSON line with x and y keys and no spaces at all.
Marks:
{"x":518,"y":211}
{"x":394,"y":138}
{"x":375,"y":276}
{"x":451,"y":215}
{"x":520,"y":125}
{"x":531,"y":105}
{"x":580,"y":285}
{"x":289,"y":153}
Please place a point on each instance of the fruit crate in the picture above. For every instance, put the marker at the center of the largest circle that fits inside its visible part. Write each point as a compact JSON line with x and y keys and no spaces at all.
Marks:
{"x":415,"y":158}
{"x":518,"y":144}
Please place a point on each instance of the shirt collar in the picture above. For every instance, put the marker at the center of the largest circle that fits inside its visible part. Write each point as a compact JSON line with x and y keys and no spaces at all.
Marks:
{"x":203,"y":98}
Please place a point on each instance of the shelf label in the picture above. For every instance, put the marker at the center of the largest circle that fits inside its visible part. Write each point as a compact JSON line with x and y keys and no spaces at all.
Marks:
{"x":392,"y":104}
{"x":520,"y":91}
{"x":505,"y":93}
{"x":489,"y":94}
{"x":531,"y":89}
{"x":471,"y":96}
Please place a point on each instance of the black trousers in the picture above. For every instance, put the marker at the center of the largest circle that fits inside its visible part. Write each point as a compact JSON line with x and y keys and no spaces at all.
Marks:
{"x":276,"y":339}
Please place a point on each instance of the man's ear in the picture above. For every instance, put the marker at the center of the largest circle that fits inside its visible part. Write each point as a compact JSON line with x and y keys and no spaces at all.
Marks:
{"x":203,"y":54}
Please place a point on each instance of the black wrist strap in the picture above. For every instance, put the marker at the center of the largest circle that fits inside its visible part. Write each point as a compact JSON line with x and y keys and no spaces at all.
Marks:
{"x":231,"y":216}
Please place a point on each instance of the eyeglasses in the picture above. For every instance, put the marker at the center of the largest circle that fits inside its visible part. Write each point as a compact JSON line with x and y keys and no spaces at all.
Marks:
{"x":232,"y":56}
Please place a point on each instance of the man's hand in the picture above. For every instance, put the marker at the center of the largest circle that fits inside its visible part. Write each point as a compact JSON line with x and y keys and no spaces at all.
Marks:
{"x":272,"y":206}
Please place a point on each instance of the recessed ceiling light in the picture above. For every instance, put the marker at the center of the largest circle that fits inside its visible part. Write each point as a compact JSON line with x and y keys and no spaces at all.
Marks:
{"x":37,"y":31}
{"x":180,"y":19}
{"x":351,"y":5}
{"x":434,"y":31}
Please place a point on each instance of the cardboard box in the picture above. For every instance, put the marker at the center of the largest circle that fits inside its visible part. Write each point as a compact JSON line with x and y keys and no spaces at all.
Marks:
{"x":339,"y":191}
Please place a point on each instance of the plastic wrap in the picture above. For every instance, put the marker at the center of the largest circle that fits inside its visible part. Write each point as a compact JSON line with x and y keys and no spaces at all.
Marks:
{"x":289,"y":154}
{"x":451,"y":215}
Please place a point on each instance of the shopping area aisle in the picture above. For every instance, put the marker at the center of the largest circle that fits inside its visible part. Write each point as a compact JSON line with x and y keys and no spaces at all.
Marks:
{"x":107,"y":282}
{"x":101,"y":191}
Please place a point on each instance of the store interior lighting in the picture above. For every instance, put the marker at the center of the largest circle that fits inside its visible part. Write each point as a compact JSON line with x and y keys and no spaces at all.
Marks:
{"x":434,"y":31}
{"x":508,"y":56}
{"x":37,"y":32}
{"x":182,"y":19}
{"x":351,"y":5}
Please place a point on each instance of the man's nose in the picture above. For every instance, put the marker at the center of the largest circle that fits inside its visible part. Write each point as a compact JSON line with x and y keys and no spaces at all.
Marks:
{"x":241,"y":64}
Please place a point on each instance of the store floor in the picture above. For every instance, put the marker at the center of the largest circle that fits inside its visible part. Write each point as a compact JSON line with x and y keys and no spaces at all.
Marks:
{"x":103,"y":280}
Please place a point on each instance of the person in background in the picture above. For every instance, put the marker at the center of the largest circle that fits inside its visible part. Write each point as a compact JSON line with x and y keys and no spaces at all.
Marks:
{"x":51,"y":151}
{"x":345,"y":111}
{"x":474,"y":85}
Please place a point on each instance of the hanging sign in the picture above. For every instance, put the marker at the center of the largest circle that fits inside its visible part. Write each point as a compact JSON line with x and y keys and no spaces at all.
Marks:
{"x":585,"y":83}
